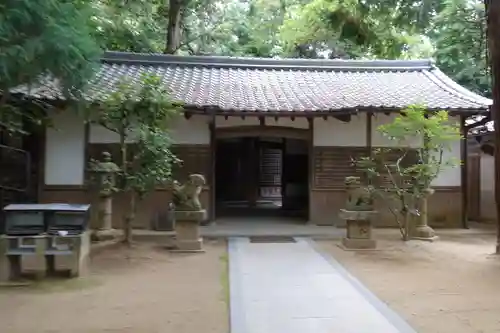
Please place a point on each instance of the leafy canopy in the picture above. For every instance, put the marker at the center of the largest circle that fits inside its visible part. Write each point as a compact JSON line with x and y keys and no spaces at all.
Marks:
{"x":461,"y":46}
{"x":50,"y":37}
{"x":40,"y":39}
{"x":141,"y":112}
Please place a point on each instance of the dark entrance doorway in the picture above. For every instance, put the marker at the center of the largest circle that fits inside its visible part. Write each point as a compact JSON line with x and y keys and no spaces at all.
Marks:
{"x":261,"y":176}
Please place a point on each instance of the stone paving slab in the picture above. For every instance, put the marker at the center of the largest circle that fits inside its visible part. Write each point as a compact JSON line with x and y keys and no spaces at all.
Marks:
{"x":291,"y":287}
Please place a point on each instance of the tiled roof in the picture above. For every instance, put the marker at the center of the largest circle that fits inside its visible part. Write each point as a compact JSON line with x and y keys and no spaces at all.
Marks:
{"x":228,"y":84}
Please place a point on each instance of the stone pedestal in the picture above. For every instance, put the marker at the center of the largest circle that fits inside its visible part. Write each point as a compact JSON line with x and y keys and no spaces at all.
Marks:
{"x":187,"y":228}
{"x":69,"y":253}
{"x":44,"y":254}
{"x":105,"y":217}
{"x":5,"y":265}
{"x":359,"y":229}
{"x":422,"y":230}
{"x":22,"y":255}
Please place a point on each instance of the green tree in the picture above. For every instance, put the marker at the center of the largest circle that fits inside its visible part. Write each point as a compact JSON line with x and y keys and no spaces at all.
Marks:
{"x":128,"y":25}
{"x":140,"y":113}
{"x":459,"y":35}
{"x":356,"y":28}
{"x":408,"y":184}
{"x":41,"y":39}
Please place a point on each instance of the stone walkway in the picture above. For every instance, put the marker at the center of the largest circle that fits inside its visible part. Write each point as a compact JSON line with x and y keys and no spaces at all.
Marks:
{"x":290,"y":287}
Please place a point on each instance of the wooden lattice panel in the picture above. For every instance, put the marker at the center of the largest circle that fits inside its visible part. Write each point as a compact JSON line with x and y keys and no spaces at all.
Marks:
{"x":195,"y":159}
{"x":270,"y":167}
{"x":331,"y":165}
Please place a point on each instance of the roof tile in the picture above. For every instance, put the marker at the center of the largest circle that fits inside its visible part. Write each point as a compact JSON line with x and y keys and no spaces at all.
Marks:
{"x":269,"y":85}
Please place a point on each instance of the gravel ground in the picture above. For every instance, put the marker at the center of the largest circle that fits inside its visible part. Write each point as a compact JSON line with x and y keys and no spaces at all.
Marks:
{"x":449,"y":286}
{"x":145,"y":289}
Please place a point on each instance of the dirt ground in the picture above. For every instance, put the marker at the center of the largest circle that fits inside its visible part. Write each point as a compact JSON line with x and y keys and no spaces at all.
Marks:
{"x":142,"y":290}
{"x":449,"y":286}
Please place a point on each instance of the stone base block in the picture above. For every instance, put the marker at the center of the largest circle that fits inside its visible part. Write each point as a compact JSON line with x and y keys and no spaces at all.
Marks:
{"x":188,"y":246}
{"x":106,"y":234}
{"x":72,"y":254}
{"x":5,"y":269}
{"x":186,"y":215}
{"x":426,"y":239}
{"x":359,"y":244}
{"x":187,"y":230}
{"x":34,"y":264}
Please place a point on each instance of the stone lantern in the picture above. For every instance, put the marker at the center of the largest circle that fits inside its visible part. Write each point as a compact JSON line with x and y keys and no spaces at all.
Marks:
{"x":357,"y":214}
{"x":106,"y":172}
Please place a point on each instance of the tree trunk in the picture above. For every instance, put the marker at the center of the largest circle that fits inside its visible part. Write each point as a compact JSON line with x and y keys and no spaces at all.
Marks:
{"x":129,"y":219}
{"x":493,"y":33}
{"x":407,"y":225}
{"x":127,"y":223}
{"x":174,"y":26}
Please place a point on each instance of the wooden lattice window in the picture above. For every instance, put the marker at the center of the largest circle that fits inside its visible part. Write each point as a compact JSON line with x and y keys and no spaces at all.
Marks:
{"x":331,"y":165}
{"x":195,"y":159}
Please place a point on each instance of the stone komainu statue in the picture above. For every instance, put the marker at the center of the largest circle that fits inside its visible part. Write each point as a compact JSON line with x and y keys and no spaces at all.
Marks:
{"x":359,"y":198}
{"x":186,"y":197}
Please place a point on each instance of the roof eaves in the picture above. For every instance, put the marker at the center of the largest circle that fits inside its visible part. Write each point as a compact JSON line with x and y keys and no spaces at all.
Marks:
{"x":441,"y":79}
{"x":264,"y":63}
{"x":316,"y":113}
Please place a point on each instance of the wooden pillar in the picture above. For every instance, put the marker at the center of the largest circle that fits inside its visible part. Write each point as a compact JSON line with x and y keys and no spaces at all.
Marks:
{"x":311,"y":166}
{"x":493,"y":33}
{"x":284,"y":199}
{"x":86,"y":152}
{"x":369,"y":135}
{"x":464,"y":174}
{"x":211,"y":176}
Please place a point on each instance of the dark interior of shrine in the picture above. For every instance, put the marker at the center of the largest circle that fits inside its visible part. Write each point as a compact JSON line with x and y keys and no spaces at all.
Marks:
{"x":259,"y":176}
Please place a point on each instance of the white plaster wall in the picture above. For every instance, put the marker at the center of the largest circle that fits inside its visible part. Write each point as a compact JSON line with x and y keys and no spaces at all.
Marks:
{"x":487,"y":183}
{"x":194,"y":131}
{"x":183,"y":131}
{"x":64,"y":150}
{"x":300,"y":122}
{"x":333,"y":132}
{"x":450,"y":176}
{"x":379,"y":140}
{"x":221,"y":121}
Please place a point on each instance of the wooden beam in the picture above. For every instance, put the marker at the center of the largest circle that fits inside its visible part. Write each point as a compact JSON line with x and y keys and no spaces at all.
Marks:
{"x":311,"y":166}
{"x":257,"y":131}
{"x":213,"y":152}
{"x":86,"y":152}
{"x":369,"y":116}
{"x":479,"y":123}
{"x":262,"y":121}
{"x":343,"y":117}
{"x":492,"y":9}
{"x":464,"y":174}
{"x":42,"y":136}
